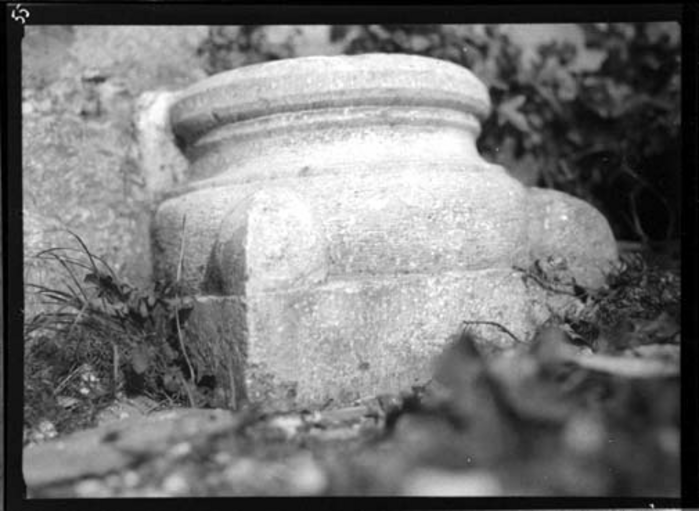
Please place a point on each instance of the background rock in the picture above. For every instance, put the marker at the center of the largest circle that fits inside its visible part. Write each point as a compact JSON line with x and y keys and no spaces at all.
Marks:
{"x":80,"y":164}
{"x":114,"y":446}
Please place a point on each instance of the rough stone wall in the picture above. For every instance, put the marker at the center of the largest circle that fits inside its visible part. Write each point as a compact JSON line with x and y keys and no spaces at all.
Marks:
{"x":80,"y":162}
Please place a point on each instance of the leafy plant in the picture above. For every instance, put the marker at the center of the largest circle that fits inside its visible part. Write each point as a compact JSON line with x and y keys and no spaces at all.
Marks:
{"x":98,"y":328}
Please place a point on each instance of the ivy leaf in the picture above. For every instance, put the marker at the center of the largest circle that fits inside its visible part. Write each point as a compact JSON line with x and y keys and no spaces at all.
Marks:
{"x":510,"y":111}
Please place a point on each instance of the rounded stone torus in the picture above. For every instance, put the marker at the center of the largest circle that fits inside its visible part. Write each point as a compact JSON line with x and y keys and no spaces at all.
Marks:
{"x":339,"y":224}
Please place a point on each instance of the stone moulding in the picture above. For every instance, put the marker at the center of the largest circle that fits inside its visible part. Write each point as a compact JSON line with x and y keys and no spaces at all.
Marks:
{"x":340,"y":225}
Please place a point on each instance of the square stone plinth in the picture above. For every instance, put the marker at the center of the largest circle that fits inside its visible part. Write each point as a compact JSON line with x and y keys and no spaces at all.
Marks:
{"x":347,"y":339}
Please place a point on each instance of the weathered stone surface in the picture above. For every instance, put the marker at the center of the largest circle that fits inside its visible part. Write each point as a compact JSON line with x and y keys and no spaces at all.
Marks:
{"x":317,"y":83}
{"x":567,"y":227}
{"x":345,"y":339}
{"x":406,"y":220}
{"x":339,"y":224}
{"x":80,"y":164}
{"x":162,"y":164}
{"x":113,"y":447}
{"x":147,"y":56}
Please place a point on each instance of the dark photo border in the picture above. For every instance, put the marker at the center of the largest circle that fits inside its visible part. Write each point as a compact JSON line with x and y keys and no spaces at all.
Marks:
{"x":176,"y":13}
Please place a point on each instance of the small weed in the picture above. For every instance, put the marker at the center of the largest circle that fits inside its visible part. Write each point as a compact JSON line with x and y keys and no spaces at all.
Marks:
{"x":640,"y":304}
{"x":100,"y":338}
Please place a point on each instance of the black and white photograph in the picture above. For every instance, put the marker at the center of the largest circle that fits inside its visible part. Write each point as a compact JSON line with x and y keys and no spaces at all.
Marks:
{"x":350,"y":260}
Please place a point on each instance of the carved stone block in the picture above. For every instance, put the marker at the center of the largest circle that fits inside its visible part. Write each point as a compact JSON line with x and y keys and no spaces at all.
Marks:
{"x":340,"y":225}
